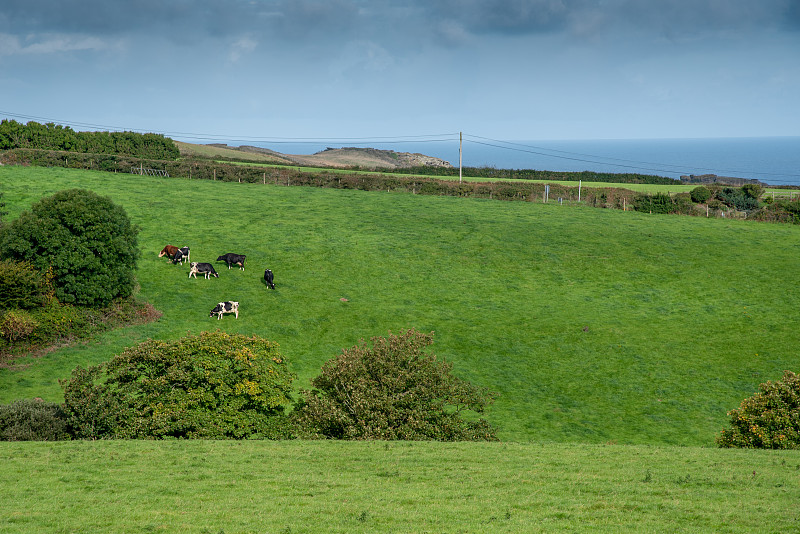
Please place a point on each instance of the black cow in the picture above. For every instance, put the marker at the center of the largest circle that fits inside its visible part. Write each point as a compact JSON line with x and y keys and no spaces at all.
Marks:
{"x":233,"y":259}
{"x":268,"y":277}
{"x":181,"y":255}
{"x":206,"y":268}
{"x":225,"y":307}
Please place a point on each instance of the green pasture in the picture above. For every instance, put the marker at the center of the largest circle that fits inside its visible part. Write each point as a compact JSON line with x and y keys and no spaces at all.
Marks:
{"x":317,"y":487}
{"x":594,"y":326}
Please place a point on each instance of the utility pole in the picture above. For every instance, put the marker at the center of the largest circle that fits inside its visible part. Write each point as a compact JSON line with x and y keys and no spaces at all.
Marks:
{"x":460,"y":142}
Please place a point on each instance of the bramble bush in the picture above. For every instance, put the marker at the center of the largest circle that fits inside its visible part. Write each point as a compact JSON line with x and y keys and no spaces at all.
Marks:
{"x":88,"y":241}
{"x":212,"y":385}
{"x":392,"y":390}
{"x":770,"y":419}
{"x":33,"y":420}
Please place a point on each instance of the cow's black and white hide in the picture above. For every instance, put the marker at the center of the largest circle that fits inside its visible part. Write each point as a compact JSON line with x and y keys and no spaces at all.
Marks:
{"x":181,"y":255}
{"x":205,"y":268}
{"x":268,"y":278}
{"x":225,"y":307}
{"x":233,"y":259}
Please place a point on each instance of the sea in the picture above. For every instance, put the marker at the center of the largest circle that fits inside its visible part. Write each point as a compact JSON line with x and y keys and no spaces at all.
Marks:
{"x":772,"y":160}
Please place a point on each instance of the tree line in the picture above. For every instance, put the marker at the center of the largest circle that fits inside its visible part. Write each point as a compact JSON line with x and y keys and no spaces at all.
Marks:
{"x":533,"y":174}
{"x":52,"y":136}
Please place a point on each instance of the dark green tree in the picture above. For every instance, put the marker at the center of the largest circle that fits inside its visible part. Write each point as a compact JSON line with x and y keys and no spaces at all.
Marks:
{"x":392,"y":390}
{"x":700,"y":194}
{"x":86,"y":240}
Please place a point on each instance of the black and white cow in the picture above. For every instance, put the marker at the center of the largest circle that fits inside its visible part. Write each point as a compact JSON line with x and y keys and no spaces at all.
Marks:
{"x":268,"y":278}
{"x":181,"y":255}
{"x":225,"y":307}
{"x":233,"y":259}
{"x":206,"y":268}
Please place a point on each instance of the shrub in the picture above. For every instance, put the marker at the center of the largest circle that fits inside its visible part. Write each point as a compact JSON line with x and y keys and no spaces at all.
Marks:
{"x":700,"y":194}
{"x":770,"y":419}
{"x":392,"y":390}
{"x":736,"y":198}
{"x":16,"y":325}
{"x":88,"y":241}
{"x":657,"y":203}
{"x":33,"y":420}
{"x":23,"y":286}
{"x":753,"y":190}
{"x":213,"y":385}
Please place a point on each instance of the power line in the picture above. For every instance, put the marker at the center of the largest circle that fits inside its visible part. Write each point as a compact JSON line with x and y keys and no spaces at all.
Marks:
{"x":659,"y":166}
{"x":424,"y":138}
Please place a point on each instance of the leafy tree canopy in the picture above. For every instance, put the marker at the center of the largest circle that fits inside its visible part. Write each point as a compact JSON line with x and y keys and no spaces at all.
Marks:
{"x":86,"y":239}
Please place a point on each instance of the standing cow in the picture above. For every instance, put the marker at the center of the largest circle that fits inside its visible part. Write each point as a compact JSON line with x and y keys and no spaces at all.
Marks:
{"x":168,"y":251}
{"x":181,"y":255}
{"x":233,"y":259}
{"x":205,"y":268}
{"x":225,"y":307}
{"x":268,"y":278}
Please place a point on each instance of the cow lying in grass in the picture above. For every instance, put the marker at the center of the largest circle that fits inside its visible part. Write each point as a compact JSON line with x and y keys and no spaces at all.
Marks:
{"x":233,"y":259}
{"x":225,"y":307}
{"x":268,"y":278}
{"x":205,"y":268}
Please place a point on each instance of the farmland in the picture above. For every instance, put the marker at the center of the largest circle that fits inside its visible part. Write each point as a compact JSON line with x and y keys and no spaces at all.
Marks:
{"x":593,"y":326}
{"x":616,"y":341}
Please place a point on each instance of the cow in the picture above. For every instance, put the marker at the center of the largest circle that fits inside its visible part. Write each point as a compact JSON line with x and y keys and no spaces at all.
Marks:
{"x":206,"y":268}
{"x":233,"y":259}
{"x":181,"y":255}
{"x":225,"y":307}
{"x":168,"y":251}
{"x":268,"y":278}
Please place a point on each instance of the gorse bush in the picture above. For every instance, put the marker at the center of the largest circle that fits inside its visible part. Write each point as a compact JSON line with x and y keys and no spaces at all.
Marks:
{"x":33,"y":420}
{"x":213,"y":385}
{"x":770,"y":419}
{"x":392,"y":390}
{"x":87,"y":241}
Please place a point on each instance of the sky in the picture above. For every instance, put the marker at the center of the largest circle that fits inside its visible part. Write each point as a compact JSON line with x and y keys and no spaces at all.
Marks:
{"x":341,"y":69}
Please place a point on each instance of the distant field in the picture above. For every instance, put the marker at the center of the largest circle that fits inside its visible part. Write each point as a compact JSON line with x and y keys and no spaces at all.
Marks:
{"x":593,"y":325}
{"x":319,"y":487}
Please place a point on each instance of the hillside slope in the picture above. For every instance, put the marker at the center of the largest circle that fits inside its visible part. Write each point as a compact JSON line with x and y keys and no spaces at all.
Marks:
{"x":592,"y":325}
{"x":366,"y":158}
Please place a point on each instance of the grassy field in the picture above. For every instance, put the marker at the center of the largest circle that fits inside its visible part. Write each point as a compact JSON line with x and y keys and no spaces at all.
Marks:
{"x":594,"y":326}
{"x":641,"y":188}
{"x":304,"y":487}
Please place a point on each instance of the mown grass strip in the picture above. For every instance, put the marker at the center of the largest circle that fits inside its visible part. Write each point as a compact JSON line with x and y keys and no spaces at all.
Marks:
{"x":318,"y":487}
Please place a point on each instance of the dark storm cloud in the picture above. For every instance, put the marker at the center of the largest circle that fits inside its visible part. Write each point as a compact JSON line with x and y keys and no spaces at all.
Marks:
{"x":179,"y":19}
{"x":384,"y":19}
